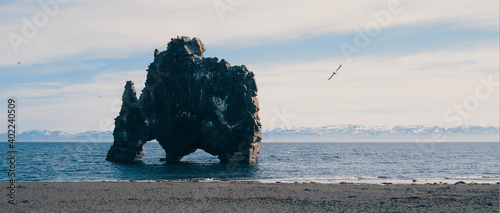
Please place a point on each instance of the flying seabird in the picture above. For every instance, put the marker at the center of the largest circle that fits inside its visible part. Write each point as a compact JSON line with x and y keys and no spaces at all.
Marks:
{"x":334,"y":72}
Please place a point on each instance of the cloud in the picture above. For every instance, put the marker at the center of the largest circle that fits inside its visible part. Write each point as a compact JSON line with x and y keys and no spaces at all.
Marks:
{"x":114,"y":29}
{"x":73,"y":107}
{"x":377,"y":89}
{"x":374,"y":89}
{"x":102,"y":83}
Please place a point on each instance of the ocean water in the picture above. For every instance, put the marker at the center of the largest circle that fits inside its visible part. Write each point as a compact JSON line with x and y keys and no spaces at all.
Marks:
{"x":279,"y":162}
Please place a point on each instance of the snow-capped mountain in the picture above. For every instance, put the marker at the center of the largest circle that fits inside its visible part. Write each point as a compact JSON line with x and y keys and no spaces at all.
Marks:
{"x":374,"y":133}
{"x":41,"y":135}
{"x":334,"y":133}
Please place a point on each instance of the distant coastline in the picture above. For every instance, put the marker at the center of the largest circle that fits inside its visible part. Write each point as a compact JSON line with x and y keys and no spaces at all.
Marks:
{"x":334,"y":133}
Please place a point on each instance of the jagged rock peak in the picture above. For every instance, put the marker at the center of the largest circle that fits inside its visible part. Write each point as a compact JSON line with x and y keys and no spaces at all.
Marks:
{"x":129,"y":128}
{"x":129,"y":97}
{"x":185,"y":46}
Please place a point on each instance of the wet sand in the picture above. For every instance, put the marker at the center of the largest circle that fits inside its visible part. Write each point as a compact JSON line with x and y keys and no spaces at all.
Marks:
{"x":247,"y":197}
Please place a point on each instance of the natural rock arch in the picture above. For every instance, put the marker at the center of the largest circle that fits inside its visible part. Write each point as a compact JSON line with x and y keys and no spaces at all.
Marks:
{"x":190,"y":102}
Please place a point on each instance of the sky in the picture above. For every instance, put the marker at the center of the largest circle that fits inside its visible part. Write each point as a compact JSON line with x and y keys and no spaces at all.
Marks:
{"x":403,"y":62}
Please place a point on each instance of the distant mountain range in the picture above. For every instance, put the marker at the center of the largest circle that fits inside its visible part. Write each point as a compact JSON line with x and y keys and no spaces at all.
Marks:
{"x":41,"y":135}
{"x":334,"y":133}
{"x":374,"y":133}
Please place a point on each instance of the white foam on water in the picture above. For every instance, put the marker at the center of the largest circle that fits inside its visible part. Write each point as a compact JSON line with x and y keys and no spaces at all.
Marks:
{"x":379,"y":180}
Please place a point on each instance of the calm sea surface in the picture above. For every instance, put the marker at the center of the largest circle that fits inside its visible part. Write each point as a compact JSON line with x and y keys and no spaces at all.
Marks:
{"x":283,"y":162}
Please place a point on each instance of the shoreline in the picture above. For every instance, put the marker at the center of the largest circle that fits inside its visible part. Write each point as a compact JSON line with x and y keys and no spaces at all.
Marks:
{"x":360,"y":180}
{"x":237,"y":196}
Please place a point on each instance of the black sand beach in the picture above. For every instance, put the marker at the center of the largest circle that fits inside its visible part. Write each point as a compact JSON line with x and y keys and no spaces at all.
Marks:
{"x":248,"y":197}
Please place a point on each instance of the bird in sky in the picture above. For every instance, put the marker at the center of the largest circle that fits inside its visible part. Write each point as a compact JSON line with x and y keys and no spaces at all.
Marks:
{"x":334,"y":72}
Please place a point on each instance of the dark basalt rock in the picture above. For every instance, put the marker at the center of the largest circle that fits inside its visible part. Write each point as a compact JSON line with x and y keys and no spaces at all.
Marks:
{"x":130,"y":126}
{"x":190,"y":102}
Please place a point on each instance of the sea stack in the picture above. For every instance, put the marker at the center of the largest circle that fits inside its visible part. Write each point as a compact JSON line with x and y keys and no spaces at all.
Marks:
{"x":190,"y":102}
{"x":129,"y":130}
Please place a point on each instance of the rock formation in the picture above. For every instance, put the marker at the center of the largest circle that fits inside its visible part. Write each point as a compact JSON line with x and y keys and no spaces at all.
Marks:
{"x":129,"y":130}
{"x":190,"y":102}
